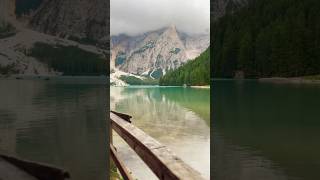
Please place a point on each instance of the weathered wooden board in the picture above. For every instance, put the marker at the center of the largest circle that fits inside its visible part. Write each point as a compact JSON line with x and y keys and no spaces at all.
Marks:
{"x":122,"y":168}
{"x":164,"y":163}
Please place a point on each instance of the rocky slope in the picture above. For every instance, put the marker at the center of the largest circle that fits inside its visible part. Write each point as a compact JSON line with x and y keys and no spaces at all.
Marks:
{"x":53,"y":22}
{"x":153,"y":53}
{"x":77,"y":19}
{"x":15,"y":52}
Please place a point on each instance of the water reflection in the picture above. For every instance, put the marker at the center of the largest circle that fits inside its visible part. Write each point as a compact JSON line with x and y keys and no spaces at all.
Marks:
{"x":177,"y":117}
{"x":57,"y":123}
{"x":265,"y":131}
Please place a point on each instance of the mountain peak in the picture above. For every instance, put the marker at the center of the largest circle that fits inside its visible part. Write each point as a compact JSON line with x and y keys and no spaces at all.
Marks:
{"x":172,"y":28}
{"x":171,"y":31}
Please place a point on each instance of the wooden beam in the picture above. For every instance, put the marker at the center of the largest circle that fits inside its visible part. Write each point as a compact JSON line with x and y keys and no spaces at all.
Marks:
{"x":157,"y":157}
{"x":122,"y":168}
{"x":40,"y":171}
{"x":123,"y":116}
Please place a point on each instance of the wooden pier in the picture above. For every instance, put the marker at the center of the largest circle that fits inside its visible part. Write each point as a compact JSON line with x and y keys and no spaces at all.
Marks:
{"x":164,"y":163}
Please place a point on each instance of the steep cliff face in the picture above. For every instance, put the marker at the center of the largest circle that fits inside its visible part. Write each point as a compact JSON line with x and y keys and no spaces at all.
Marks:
{"x":154,"y":53}
{"x":81,"y":19}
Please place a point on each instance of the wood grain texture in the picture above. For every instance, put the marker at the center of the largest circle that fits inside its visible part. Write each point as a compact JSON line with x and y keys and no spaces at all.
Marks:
{"x":163,"y":162}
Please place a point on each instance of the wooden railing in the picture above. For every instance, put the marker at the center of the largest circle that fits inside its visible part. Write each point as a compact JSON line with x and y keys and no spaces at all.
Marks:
{"x":164,"y":164}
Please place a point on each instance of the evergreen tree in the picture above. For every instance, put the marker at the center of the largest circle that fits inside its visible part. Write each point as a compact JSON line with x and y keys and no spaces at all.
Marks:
{"x":195,"y":72}
{"x":268,"y":38}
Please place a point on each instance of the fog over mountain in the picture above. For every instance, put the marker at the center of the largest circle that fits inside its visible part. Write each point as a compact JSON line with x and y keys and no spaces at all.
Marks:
{"x":139,"y":16}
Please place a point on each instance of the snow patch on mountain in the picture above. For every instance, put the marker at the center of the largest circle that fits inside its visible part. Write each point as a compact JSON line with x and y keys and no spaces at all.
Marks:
{"x":153,"y":53}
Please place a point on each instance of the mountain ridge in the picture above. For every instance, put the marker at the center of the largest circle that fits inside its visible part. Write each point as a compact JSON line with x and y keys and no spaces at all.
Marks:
{"x":73,"y":19}
{"x":154,"y":52}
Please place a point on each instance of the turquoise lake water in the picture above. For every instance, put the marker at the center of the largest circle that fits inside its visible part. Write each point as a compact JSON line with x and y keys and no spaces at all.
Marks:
{"x":177,"y":117}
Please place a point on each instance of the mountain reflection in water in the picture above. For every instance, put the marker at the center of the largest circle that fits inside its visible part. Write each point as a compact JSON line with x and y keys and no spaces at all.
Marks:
{"x":177,"y":117}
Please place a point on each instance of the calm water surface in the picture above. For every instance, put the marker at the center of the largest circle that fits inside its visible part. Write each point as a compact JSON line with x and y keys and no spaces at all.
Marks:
{"x":177,"y":117}
{"x":60,"y":123}
{"x":265,"y":131}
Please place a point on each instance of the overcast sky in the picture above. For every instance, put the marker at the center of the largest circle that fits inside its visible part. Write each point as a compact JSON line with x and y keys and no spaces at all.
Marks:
{"x":137,"y":16}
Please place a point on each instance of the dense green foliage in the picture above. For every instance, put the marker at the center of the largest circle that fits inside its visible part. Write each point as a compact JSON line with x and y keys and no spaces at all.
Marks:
{"x":193,"y":73}
{"x":315,"y":77}
{"x":136,"y":81}
{"x":268,"y":38}
{"x":70,"y":60}
{"x":25,"y":6}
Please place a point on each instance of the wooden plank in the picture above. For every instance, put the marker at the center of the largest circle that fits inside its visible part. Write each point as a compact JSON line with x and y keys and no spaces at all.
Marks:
{"x":158,"y":157}
{"x":110,"y":134}
{"x":122,"y":168}
{"x":10,"y":172}
{"x":123,"y":116}
{"x":40,"y":171}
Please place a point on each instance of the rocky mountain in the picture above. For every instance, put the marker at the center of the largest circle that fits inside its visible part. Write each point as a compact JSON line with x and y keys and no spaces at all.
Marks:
{"x":77,"y":27}
{"x":82,"y":20}
{"x":153,"y":53}
{"x":17,"y":57}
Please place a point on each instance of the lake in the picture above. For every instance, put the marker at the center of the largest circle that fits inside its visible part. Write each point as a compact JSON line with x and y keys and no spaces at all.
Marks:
{"x":175,"y":116}
{"x":265,"y":131}
{"x":60,"y":122}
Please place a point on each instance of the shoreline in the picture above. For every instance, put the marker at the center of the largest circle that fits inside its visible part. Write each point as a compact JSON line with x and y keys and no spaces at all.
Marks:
{"x":50,"y":76}
{"x":157,"y":86}
{"x":278,"y":80}
{"x":200,"y":87}
{"x":295,"y":80}
{"x":103,"y":80}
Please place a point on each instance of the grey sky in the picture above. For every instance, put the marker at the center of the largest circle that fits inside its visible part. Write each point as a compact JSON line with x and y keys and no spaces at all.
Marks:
{"x":138,"y":16}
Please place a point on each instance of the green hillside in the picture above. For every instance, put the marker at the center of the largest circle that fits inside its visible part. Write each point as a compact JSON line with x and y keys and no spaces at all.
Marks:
{"x":268,"y":38}
{"x":193,"y":73}
{"x":70,"y":60}
{"x":131,"y":80}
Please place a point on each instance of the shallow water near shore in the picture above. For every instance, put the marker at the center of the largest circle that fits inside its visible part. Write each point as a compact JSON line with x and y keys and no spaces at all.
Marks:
{"x":175,"y":116}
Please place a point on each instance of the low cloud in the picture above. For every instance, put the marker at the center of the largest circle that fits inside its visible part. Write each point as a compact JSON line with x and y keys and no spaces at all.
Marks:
{"x":138,"y":16}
